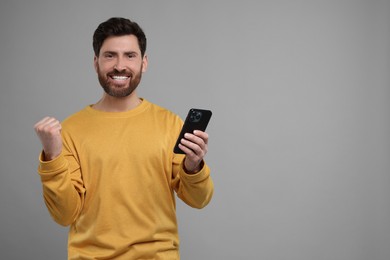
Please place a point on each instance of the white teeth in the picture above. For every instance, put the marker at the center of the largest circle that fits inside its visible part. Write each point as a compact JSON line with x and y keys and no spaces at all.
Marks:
{"x":119,"y":77}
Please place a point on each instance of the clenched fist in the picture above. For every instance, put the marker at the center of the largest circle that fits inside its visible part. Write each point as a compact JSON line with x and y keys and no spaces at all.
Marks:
{"x":49,"y":132}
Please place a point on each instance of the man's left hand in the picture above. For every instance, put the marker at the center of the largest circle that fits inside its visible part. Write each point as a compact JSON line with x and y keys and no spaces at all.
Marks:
{"x":195,"y":147}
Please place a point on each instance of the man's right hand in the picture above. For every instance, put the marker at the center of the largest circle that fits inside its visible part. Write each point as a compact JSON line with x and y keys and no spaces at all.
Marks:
{"x":49,"y":132}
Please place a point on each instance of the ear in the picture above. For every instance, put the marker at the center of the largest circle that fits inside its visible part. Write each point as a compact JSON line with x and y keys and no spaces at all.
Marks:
{"x":144,"y":63}
{"x":95,"y":63}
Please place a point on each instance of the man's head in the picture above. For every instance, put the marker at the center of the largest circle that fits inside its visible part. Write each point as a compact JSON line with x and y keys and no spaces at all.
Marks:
{"x":120,"y":59}
{"x":117,"y":26}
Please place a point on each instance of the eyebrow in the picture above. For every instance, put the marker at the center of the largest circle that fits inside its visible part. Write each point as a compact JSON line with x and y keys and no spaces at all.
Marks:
{"x":131,"y":52}
{"x":116,"y":53}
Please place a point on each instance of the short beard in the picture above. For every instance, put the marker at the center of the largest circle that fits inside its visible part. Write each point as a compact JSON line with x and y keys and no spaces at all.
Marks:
{"x":112,"y":90}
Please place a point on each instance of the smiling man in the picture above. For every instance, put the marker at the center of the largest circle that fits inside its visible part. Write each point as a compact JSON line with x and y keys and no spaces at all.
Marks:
{"x":109,"y":170}
{"x":120,"y":65}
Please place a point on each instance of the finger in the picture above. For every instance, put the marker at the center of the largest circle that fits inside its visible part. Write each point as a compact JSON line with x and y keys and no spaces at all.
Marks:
{"x":53,"y":127}
{"x":53,"y":123}
{"x":198,"y":149}
{"x":202,"y":135}
{"x":191,"y":157}
{"x":193,"y":138}
{"x":48,"y":125}
{"x":187,"y":150}
{"x":41,"y":122}
{"x":45,"y":121}
{"x":199,"y":142}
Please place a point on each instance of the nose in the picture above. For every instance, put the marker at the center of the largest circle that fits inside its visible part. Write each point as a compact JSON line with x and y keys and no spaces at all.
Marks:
{"x":119,"y":65}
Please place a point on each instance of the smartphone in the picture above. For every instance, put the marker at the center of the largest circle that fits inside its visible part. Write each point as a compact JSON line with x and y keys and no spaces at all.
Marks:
{"x":197,"y":119}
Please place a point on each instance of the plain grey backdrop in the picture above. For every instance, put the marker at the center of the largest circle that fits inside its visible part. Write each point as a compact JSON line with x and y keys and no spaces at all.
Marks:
{"x":299,"y":139}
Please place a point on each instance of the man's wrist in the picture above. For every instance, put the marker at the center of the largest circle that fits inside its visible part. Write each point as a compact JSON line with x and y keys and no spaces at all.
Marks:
{"x":48,"y":157}
{"x":197,"y":169}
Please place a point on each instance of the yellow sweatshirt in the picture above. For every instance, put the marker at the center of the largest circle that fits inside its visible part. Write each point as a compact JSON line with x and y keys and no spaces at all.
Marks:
{"x":115,"y":180}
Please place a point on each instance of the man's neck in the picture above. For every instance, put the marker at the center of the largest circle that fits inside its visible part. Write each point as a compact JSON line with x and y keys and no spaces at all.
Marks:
{"x":113,"y":104}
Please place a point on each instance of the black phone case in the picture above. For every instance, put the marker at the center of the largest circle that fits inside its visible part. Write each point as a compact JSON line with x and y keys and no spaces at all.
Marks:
{"x":193,"y":122}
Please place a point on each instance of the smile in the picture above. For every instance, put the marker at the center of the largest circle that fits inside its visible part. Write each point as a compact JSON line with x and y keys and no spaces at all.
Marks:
{"x":120,"y":78}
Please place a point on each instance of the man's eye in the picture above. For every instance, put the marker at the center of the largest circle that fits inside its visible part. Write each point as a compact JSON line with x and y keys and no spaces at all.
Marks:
{"x":108,"y":56}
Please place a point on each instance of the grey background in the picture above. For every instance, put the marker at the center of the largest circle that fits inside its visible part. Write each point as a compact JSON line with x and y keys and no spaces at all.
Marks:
{"x":299,"y":140}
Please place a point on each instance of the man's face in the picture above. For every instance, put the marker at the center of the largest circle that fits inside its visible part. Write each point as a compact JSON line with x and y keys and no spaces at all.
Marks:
{"x":120,"y":65}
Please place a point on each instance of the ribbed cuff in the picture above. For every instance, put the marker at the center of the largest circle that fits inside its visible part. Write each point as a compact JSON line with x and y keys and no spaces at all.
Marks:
{"x":196,"y":177}
{"x":53,"y":166}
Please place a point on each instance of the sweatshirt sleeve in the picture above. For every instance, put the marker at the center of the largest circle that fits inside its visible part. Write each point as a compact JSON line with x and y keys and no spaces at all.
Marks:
{"x":196,"y":190}
{"x":63,"y":188}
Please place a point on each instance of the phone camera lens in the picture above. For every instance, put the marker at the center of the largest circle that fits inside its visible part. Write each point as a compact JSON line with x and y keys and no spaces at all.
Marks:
{"x":195,"y":116}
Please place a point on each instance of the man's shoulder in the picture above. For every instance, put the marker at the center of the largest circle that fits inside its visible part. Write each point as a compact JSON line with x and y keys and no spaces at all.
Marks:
{"x":75,"y":118}
{"x":163,"y":111}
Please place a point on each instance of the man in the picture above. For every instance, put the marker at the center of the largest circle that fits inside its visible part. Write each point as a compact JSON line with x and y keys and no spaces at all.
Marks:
{"x":109,"y":170}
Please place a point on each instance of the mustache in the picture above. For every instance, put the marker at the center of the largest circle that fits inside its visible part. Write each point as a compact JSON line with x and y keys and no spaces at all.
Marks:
{"x":123,"y":72}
